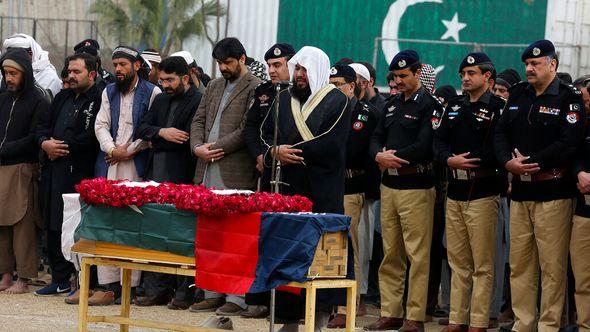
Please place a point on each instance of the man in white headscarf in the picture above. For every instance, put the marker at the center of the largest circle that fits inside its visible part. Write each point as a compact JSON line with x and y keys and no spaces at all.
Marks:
{"x":313,"y":123}
{"x":43,"y":71}
{"x":193,"y":71}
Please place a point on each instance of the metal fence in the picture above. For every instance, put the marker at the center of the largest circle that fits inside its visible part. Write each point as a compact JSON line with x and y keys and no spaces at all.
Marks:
{"x":57,"y":36}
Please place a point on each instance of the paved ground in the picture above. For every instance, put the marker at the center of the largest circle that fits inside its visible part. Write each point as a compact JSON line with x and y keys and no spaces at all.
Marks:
{"x":24,"y":313}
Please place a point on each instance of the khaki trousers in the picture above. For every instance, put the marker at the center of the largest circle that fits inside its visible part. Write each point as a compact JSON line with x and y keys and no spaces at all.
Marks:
{"x":353,"y":205}
{"x":539,"y":237}
{"x":471,"y":246}
{"x":579,"y":251}
{"x":406,"y":221}
{"x":18,"y":245}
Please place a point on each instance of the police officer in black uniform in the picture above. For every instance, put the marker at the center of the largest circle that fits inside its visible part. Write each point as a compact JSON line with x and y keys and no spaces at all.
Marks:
{"x":581,"y":234}
{"x":463,"y":141}
{"x":276,"y":58}
{"x":358,"y":162}
{"x":402,"y":146}
{"x":536,"y":139}
{"x":92,"y":47}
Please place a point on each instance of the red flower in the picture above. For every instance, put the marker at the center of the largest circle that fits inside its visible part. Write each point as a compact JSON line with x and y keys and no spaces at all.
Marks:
{"x":199,"y":199}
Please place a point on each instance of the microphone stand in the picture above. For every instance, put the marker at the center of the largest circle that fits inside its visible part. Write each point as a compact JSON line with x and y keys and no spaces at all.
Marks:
{"x":275,"y":171}
{"x":275,"y":185}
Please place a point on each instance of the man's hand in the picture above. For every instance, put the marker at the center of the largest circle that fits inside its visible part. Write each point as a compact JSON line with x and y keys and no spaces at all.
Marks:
{"x":260,"y":163}
{"x":462,"y":162}
{"x":173,"y":135}
{"x":204,"y":152}
{"x":517,"y":167}
{"x":120,"y":153}
{"x":584,"y":182}
{"x":287,"y":155}
{"x":55,"y":148}
{"x":388,"y":159}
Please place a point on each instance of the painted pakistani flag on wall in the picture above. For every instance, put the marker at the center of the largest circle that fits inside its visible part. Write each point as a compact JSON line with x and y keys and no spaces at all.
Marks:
{"x":349,"y":28}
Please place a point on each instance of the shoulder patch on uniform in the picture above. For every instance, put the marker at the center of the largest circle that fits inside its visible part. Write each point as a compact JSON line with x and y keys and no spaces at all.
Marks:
{"x":572,"y":117}
{"x":572,"y":88}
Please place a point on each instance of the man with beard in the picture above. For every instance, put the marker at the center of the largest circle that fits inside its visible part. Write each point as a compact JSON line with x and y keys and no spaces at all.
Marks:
{"x":123,"y":155}
{"x":313,"y":124}
{"x":348,"y":78}
{"x":193,"y":71}
{"x":372,"y":94}
{"x":166,"y":126}
{"x":66,"y":136}
{"x":536,"y":139}
{"x":43,"y":71}
{"x":153,"y":57}
{"x":21,"y":104}
{"x":92,"y":47}
{"x":276,"y":58}
{"x":463,"y":141}
{"x":217,"y":139}
{"x":402,"y":146}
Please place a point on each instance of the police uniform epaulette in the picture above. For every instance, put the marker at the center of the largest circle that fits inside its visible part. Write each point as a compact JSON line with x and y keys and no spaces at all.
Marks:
{"x":571,"y":88}
{"x":518,"y":85}
{"x":264,"y":85}
{"x":457,"y":99}
{"x":494,"y":99}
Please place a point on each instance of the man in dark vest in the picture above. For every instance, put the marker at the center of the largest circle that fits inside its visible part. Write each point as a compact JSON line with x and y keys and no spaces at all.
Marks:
{"x":123,"y":155}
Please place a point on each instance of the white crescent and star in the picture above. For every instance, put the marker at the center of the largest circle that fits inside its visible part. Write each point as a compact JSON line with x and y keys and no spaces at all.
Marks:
{"x":390,"y":28}
{"x":453,"y":28}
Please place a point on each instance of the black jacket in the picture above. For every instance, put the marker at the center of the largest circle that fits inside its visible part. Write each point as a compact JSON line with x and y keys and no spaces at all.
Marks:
{"x":549,"y":128}
{"x":179,"y":160}
{"x":363,"y":123}
{"x":469,"y":127}
{"x":19,"y":114}
{"x":321,"y":178}
{"x":405,"y":126}
{"x":59,"y":176}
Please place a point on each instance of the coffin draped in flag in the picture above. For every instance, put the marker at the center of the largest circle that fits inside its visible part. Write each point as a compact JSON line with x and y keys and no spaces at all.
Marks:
{"x":256,"y":252}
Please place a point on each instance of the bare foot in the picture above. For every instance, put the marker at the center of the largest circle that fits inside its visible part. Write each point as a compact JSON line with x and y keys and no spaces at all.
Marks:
{"x":6,"y":281}
{"x":19,"y":287}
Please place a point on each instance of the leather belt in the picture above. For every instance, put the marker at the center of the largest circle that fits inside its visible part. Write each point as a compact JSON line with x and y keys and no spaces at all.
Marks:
{"x":471,"y":174}
{"x":552,"y":174}
{"x":353,"y":173}
{"x":418,"y":169}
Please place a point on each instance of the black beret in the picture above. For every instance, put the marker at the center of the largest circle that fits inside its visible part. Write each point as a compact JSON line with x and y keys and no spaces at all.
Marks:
{"x":475,"y":59}
{"x":344,"y":71}
{"x":87,"y":42}
{"x":508,"y":78}
{"x":538,"y":49}
{"x":404,"y":59}
{"x":279,"y":50}
{"x":89,"y":46}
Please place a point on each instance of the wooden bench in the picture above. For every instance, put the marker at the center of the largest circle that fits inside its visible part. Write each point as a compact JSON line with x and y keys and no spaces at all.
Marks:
{"x":131,"y":258}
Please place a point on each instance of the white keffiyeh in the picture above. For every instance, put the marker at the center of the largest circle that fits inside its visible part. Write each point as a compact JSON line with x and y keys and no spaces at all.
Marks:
{"x":317,"y":64}
{"x":43,"y":71}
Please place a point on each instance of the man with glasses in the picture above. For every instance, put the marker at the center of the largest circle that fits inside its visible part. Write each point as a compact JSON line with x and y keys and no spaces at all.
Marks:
{"x":166,"y":126}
